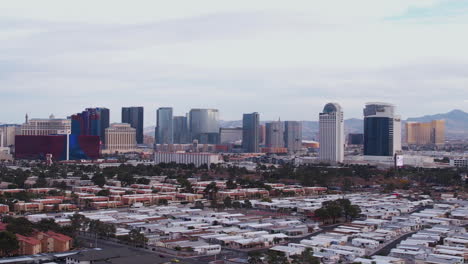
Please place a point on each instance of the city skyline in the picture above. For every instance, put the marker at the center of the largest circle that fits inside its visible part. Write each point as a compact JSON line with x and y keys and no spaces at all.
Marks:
{"x":116,"y":117}
{"x":63,"y":58}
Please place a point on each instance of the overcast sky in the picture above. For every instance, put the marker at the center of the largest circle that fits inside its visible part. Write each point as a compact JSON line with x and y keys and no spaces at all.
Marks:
{"x":280,"y":58}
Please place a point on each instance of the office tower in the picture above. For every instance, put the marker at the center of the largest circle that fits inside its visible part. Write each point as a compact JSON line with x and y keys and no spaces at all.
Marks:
{"x":429,"y":133}
{"x":164,"y":127}
{"x":45,"y":126}
{"x":134,"y":116}
{"x":355,"y":139}
{"x":382,"y":130}
{"x":262,"y":134}
{"x":91,"y":122}
{"x":181,"y":131}
{"x":250,"y":132}
{"x":204,"y":125}
{"x":9,"y":131}
{"x":274,"y":135}
{"x":120,"y":137}
{"x":230,"y":135}
{"x":331,"y":133}
{"x":293,"y":136}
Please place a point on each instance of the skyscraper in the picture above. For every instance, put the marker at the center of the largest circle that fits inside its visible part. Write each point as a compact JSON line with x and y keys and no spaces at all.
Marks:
{"x":429,"y":133}
{"x":9,"y":131}
{"x":331,"y":133}
{"x":120,"y":138}
{"x":250,"y":132}
{"x":382,"y":130}
{"x":165,"y":127}
{"x":204,"y":125}
{"x":91,"y":122}
{"x":293,"y":136}
{"x":181,"y":131}
{"x":274,"y":135}
{"x":134,"y":116}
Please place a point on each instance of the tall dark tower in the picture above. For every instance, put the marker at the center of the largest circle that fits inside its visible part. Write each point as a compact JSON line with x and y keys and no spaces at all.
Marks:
{"x":382,"y":130}
{"x":250,"y":132}
{"x":164,"y":126}
{"x":91,"y":122}
{"x":134,"y":116}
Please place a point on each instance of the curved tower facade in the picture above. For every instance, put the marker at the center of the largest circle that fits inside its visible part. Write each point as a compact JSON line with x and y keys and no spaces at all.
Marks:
{"x":204,"y":125}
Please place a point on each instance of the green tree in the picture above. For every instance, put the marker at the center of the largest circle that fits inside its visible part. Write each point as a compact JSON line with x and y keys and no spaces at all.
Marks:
{"x":276,"y":257}
{"x":306,"y":257}
{"x":211,"y":190}
{"x":103,"y":193}
{"x":102,"y":229}
{"x":144,"y":181}
{"x":163,"y":202}
{"x":255,"y":257}
{"x":8,"y":243}
{"x":99,"y":179}
{"x":126,"y":178}
{"x":185,"y":184}
{"x":78,"y":222}
{"x":47,"y":224}
{"x":20,"y":226}
{"x":137,"y":238}
{"x":41,"y":182}
{"x":230,"y":184}
{"x":247,"y":204}
{"x":227,"y":202}
{"x":350,"y":211}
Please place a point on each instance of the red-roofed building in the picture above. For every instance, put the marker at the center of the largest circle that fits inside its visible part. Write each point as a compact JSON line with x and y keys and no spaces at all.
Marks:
{"x":53,"y":242}
{"x":4,"y":208}
{"x":28,"y":245}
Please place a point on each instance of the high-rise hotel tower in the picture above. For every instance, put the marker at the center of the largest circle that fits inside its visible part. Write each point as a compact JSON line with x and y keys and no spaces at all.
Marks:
{"x":331,"y":134}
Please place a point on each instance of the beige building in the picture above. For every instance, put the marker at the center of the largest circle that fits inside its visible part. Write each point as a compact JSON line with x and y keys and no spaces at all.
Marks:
{"x":429,"y":133}
{"x":44,"y":126}
{"x":7,"y":135}
{"x":120,"y":137}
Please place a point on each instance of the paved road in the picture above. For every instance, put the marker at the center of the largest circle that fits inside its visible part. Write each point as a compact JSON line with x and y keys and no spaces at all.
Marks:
{"x":386,"y":250}
{"x":117,"y":247}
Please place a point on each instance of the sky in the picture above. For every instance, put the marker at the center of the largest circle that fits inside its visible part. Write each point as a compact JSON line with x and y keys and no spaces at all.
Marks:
{"x":283,"y":59}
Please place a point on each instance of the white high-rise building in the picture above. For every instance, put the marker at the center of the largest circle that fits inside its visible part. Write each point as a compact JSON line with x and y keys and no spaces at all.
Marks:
{"x":331,"y":134}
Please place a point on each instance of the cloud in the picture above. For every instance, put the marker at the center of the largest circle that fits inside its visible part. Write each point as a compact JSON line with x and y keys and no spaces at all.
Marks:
{"x":277,"y":58}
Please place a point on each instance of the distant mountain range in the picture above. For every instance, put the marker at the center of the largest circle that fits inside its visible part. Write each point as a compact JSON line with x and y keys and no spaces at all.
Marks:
{"x":456,"y":122}
{"x":456,"y":125}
